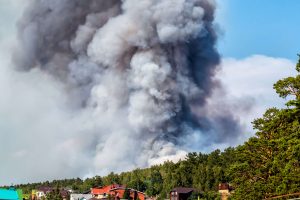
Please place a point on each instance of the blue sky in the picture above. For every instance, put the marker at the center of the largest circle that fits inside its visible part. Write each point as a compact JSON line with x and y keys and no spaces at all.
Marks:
{"x":268,"y":27}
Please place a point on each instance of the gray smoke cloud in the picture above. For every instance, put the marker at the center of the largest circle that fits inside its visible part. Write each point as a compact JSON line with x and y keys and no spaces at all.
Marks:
{"x":136,"y":78}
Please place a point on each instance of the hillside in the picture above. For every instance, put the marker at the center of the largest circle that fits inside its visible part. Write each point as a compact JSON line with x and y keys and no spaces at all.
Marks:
{"x":264,"y":166}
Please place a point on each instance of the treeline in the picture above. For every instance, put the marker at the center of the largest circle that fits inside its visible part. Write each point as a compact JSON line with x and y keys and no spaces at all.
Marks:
{"x":266,"y":165}
{"x":201,"y":171}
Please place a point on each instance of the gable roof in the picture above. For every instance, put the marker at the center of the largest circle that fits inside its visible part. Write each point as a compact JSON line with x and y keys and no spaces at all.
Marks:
{"x":223,"y":186}
{"x":45,"y":189}
{"x":104,"y":189}
{"x":183,"y":190}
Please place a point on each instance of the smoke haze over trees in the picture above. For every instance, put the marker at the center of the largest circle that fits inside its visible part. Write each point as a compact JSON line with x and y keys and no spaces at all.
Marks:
{"x":264,"y":166}
{"x":108,"y":76}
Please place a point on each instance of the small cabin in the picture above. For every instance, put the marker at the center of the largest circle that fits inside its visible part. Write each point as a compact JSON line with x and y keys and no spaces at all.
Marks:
{"x":181,"y":193}
{"x":224,"y":190}
{"x":104,"y":191}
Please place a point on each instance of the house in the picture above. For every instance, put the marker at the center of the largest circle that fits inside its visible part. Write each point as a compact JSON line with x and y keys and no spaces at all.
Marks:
{"x":41,"y":192}
{"x":9,"y":194}
{"x":116,"y":191}
{"x":70,"y":190}
{"x":103,"y":191}
{"x":224,"y":190}
{"x":80,"y":196}
{"x":64,"y":194}
{"x":181,"y":193}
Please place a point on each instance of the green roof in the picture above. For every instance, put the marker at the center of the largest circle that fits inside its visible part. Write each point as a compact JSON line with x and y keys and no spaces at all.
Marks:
{"x":8,"y":194}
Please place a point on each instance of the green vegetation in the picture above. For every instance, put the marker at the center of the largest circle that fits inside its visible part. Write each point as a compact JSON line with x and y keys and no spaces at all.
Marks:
{"x":264,"y":166}
{"x":54,"y":195}
{"x":126,"y":194}
{"x":268,"y":164}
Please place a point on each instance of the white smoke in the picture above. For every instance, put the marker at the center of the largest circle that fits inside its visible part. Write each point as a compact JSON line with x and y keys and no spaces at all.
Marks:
{"x":131,"y":81}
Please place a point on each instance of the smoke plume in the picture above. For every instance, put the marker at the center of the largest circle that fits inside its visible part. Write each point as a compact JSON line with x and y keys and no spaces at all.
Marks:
{"x":137,"y":76}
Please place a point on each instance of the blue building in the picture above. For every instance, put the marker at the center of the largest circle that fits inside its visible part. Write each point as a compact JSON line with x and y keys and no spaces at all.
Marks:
{"x":9,"y":194}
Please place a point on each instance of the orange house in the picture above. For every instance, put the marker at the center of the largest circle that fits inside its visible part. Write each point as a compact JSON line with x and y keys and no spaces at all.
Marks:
{"x":104,"y":191}
{"x":116,"y":191}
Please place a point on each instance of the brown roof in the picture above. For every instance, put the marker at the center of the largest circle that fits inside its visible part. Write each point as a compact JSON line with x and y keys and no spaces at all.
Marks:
{"x":64,"y":193}
{"x":224,"y":186}
{"x":45,"y":189}
{"x":183,"y":190}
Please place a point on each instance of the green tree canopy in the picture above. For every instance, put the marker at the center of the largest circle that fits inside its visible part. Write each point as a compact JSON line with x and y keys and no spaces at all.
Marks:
{"x":268,"y":164}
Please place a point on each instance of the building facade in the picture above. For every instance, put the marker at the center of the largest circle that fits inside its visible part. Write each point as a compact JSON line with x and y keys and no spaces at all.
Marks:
{"x":116,"y":191}
{"x":80,"y":196}
{"x":181,"y":193}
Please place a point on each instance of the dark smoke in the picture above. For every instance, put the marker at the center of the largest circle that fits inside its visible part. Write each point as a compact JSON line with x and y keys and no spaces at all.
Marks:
{"x":142,"y":70}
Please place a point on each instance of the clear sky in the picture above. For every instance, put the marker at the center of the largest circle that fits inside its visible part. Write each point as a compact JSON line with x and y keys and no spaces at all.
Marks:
{"x":268,"y":27}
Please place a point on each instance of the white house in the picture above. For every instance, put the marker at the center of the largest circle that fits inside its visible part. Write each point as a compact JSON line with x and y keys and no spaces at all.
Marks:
{"x":80,"y":196}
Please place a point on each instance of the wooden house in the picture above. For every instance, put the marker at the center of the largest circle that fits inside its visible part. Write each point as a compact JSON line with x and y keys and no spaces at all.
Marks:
{"x":181,"y":193}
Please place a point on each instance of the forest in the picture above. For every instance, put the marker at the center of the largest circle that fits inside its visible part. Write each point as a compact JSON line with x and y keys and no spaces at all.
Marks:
{"x":266,"y":165}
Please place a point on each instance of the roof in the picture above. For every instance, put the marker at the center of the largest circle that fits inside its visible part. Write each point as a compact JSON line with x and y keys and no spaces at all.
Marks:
{"x":104,"y":189}
{"x":124,"y":188}
{"x":64,"y":193}
{"x":224,"y":186}
{"x":183,"y":190}
{"x":109,"y":186}
{"x":8,"y":194}
{"x":45,"y":189}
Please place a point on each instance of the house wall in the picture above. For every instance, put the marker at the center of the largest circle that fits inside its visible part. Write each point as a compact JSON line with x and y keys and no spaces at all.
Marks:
{"x":141,"y":196}
{"x":39,"y":195}
{"x":184,"y":196}
{"x":79,"y":196}
{"x":104,"y":189}
{"x":224,"y":191}
{"x":224,"y":194}
{"x":120,"y":193}
{"x":173,"y":196}
{"x":116,"y":191}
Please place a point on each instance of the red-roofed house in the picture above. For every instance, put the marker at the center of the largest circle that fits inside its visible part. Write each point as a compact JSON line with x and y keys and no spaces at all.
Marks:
{"x":116,"y":191}
{"x":104,"y":191}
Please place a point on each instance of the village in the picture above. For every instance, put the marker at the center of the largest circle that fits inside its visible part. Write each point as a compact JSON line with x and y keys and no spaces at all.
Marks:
{"x":109,"y":192}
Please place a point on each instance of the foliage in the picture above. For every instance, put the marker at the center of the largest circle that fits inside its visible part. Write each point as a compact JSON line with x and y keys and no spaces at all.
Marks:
{"x":126,"y":194}
{"x":54,"y":195}
{"x":266,"y":165}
